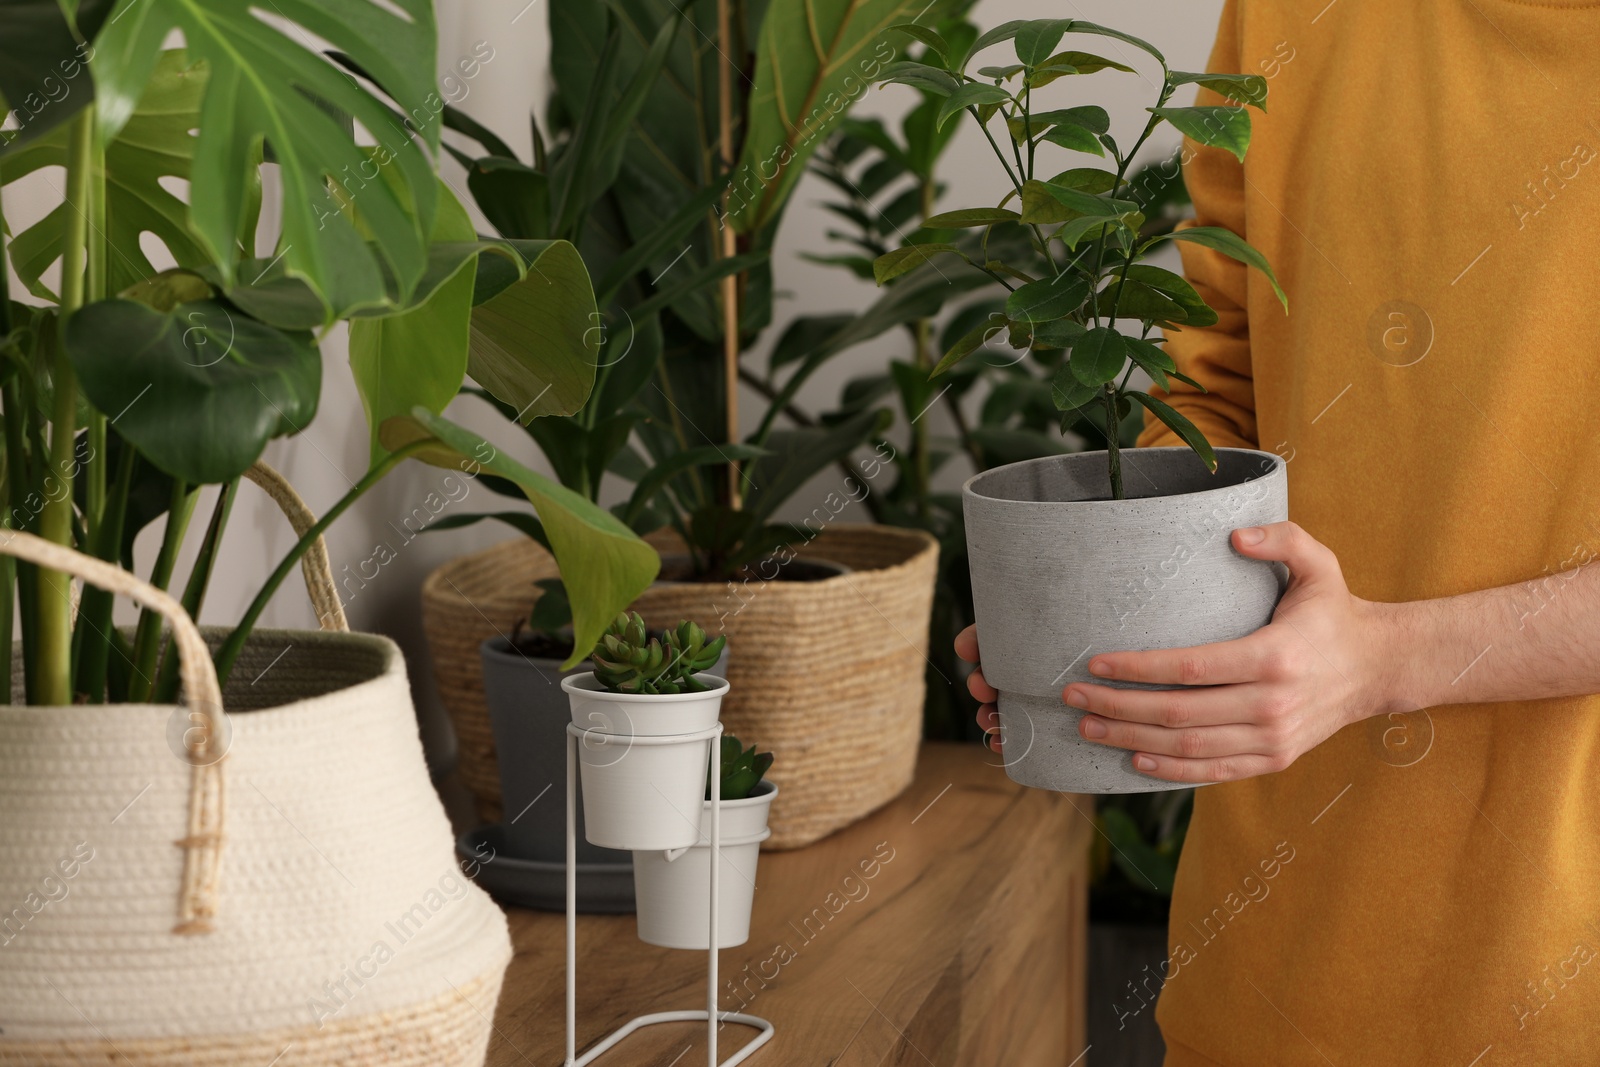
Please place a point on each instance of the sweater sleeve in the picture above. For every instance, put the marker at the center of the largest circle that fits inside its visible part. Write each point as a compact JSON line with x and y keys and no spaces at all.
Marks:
{"x":1216,"y":356}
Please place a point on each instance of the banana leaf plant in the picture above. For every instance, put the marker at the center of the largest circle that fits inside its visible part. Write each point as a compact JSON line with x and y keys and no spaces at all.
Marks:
{"x":124,"y":388}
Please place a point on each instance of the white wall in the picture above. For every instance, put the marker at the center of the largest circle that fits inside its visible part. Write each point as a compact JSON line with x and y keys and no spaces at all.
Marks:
{"x":331,"y":455}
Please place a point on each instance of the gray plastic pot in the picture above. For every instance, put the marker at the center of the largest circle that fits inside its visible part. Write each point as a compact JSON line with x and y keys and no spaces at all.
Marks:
{"x":529,"y":713}
{"x":1061,"y":572}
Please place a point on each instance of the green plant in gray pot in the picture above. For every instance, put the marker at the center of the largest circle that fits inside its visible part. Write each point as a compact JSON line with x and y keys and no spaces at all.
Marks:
{"x":1098,"y":551}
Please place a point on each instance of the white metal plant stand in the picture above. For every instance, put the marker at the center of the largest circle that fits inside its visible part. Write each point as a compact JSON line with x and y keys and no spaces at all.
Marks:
{"x":712,"y":1017}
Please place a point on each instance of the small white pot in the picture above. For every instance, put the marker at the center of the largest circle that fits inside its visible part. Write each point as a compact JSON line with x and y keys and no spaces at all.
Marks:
{"x":638,"y":794}
{"x":672,"y":888}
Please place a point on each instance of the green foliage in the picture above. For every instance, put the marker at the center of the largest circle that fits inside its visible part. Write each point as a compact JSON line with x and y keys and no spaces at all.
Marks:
{"x":125,"y":389}
{"x":1134,"y":859}
{"x":1079,"y":277}
{"x":628,"y":660}
{"x":742,"y":769}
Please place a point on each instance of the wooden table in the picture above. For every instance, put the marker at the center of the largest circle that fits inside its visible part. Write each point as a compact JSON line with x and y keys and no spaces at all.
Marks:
{"x":946,"y":929}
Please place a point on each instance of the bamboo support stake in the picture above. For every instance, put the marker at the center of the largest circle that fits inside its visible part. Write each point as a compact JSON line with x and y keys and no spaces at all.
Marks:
{"x":730,"y":284}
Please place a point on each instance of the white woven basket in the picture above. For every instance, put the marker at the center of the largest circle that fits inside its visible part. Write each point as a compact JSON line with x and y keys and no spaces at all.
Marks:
{"x":277,"y":886}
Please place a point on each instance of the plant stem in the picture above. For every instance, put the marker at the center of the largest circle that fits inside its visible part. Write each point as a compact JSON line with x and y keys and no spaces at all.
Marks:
{"x":55,"y":521}
{"x":194,"y":590}
{"x":230,"y":649}
{"x":93,"y":635}
{"x":1113,"y":451}
{"x":147,"y":637}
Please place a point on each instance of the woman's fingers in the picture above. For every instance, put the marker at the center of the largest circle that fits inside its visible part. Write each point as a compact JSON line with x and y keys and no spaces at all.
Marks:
{"x":989,"y":723}
{"x":967,"y":644}
{"x":980,"y":688}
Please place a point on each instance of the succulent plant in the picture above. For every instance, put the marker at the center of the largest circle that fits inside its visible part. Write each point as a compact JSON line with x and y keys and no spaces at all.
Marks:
{"x":628,"y":660}
{"x":742,"y":769}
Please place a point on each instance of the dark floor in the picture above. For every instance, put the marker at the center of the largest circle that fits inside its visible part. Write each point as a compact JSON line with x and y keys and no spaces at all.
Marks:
{"x":1124,"y":966}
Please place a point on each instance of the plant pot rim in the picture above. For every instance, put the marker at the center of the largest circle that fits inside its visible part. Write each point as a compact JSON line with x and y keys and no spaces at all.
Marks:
{"x":766,"y":792}
{"x":500,"y":647}
{"x":973,"y":487}
{"x":586,"y":683}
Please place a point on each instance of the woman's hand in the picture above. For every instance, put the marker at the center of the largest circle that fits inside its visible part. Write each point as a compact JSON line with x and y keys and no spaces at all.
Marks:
{"x":1327,"y":659}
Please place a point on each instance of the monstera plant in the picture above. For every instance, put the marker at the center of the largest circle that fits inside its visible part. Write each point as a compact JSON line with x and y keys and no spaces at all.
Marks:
{"x":183,"y":334}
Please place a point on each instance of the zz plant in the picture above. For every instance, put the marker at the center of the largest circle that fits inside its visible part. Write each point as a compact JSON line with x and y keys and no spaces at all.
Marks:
{"x":1086,"y":272}
{"x":629,"y":660}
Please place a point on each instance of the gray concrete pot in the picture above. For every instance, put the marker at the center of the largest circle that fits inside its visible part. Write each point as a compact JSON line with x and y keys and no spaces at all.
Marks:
{"x":1061,"y":572}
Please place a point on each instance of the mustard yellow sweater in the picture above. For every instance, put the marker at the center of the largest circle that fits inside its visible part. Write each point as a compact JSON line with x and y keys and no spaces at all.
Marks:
{"x":1423,"y":889}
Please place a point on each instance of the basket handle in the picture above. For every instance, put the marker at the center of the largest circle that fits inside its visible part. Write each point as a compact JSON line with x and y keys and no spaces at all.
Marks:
{"x":314,"y":565}
{"x":202,"y":845}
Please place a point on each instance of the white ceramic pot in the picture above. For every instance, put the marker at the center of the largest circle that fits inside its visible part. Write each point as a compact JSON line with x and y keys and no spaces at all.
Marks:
{"x":641,"y":788}
{"x":672,"y":889}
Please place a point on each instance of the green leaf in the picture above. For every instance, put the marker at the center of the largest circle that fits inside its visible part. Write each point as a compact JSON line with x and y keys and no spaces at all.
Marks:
{"x":1086,"y":180}
{"x":264,"y":82}
{"x":1091,"y":118}
{"x":1136,"y":300}
{"x":1245,"y":88}
{"x":1099,"y":356}
{"x":970,"y":342}
{"x":42,"y":66}
{"x":1195,"y":310}
{"x":535,"y":344}
{"x":704,"y":456}
{"x":1229,"y":244}
{"x":1047,"y":299}
{"x":1003,"y":32}
{"x":1079,"y":63}
{"x":1070,"y":393}
{"x":1186,"y":430}
{"x":1150,"y":359}
{"x":1080,"y":26}
{"x":604,"y":565}
{"x":809,"y":55}
{"x":1087,"y":204}
{"x":794,"y":456}
{"x":1039,"y":207}
{"x":517,"y":520}
{"x":891,"y":265}
{"x":155,"y":144}
{"x":199,"y":390}
{"x":418,"y":357}
{"x":1001,"y":73}
{"x":1060,"y":333}
{"x":924,"y":76}
{"x":1036,"y":39}
{"x":1185,"y":379}
{"x":927,"y":36}
{"x":970,"y":95}
{"x":805,"y":335}
{"x":1075,"y":230}
{"x":1141,"y":864}
{"x":1076,"y":139}
{"x":1227,"y":128}
{"x":970,"y":216}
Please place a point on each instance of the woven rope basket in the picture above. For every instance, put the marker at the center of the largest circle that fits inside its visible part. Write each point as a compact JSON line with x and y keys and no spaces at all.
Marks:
{"x":827,"y":675}
{"x":180,"y":887}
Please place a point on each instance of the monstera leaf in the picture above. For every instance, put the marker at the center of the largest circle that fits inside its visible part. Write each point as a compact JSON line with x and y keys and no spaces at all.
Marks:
{"x":532,"y":344}
{"x":199,"y":390}
{"x":814,"y":58}
{"x":604,"y":565}
{"x":155,"y":143}
{"x":42,"y":79}
{"x":265,"y":85}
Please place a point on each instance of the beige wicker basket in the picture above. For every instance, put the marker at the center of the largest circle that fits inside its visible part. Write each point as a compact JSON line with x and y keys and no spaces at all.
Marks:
{"x":828,"y":675}
{"x":280,"y":886}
